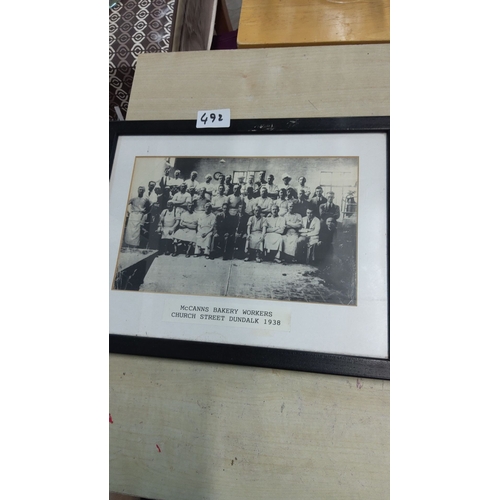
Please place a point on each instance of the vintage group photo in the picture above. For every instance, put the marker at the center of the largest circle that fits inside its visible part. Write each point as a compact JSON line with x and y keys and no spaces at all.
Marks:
{"x":272,"y":228}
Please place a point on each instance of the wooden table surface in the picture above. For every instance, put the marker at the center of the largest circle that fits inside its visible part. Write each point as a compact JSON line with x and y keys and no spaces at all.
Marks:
{"x":189,"y":430}
{"x":279,"y":23}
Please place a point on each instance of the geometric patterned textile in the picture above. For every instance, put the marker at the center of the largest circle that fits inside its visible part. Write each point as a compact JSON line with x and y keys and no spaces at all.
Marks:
{"x":135,"y":27}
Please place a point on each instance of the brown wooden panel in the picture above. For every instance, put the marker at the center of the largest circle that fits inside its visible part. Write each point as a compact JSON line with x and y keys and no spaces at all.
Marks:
{"x":278,"y":23}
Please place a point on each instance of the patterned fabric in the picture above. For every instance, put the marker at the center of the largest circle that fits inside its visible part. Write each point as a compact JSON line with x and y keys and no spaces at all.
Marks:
{"x":135,"y":27}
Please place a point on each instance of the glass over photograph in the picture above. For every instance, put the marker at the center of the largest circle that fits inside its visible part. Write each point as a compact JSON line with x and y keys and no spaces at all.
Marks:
{"x":273,"y":228}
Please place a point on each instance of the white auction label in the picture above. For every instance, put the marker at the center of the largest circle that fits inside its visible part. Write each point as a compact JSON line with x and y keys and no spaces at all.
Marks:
{"x":214,"y":118}
{"x":231,"y":313}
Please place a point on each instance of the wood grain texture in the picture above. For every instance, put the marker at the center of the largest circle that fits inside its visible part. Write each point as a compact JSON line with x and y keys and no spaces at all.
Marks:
{"x":294,"y":82}
{"x":280,"y":23}
{"x":205,"y":431}
{"x":189,"y":430}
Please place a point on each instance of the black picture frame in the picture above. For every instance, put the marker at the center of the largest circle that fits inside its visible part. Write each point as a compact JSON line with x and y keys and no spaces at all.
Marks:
{"x":306,"y":361}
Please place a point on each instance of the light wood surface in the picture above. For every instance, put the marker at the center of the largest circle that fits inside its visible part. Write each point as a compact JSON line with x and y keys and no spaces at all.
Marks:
{"x":189,"y":430}
{"x":294,"y":82}
{"x":186,"y":430}
{"x":278,"y":23}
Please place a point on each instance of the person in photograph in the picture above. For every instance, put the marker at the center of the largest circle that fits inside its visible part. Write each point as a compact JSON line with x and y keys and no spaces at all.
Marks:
{"x":317,"y":200}
{"x":166,"y":229}
{"x":164,"y":181}
{"x":226,"y":232}
{"x":241,"y":232}
{"x":262,"y":178}
{"x":286,"y":179}
{"x":291,"y":194}
{"x":251,"y":182}
{"x":264,"y":202}
{"x":327,"y":235}
{"x":273,"y":228}
{"x":309,"y":236}
{"x":293,"y":223}
{"x":329,"y":209}
{"x":255,"y":239}
{"x":191,"y":191}
{"x":243,"y":185}
{"x":272,"y":188}
{"x":302,"y":203}
{"x":303,"y":185}
{"x":205,"y":232}
{"x":181,"y":199}
{"x":209,"y":186}
{"x":153,"y":219}
{"x":162,"y":196}
{"x":219,"y":199}
{"x":177,"y":180}
{"x":200,"y":199}
{"x":185,"y":230}
{"x":137,"y":211}
{"x":282,"y":202}
{"x":228,"y":185}
{"x":192,"y":182}
{"x":249,"y":201}
{"x":235,"y":199}
{"x":150,"y":193}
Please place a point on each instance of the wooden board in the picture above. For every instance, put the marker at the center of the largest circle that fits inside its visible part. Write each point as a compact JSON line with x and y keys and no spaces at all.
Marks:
{"x":188,"y":430}
{"x":279,"y":23}
{"x":294,"y":82}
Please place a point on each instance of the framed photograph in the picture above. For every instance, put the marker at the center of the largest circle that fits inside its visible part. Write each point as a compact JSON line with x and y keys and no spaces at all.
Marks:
{"x":261,"y":244}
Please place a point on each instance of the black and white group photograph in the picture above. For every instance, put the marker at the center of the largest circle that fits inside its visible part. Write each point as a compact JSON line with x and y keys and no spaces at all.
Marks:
{"x":273,"y":228}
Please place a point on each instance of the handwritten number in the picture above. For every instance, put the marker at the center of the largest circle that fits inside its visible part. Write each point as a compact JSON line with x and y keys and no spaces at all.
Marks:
{"x":212,"y":118}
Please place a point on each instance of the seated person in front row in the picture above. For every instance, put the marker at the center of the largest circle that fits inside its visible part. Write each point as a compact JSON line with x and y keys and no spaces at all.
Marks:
{"x":274,"y":226}
{"x":166,"y":229}
{"x":293,"y":223}
{"x":327,"y":233}
{"x":185,"y":230}
{"x":205,"y":232}
{"x":309,"y":236}
{"x":225,"y":232}
{"x":241,"y":232}
{"x":255,"y":237}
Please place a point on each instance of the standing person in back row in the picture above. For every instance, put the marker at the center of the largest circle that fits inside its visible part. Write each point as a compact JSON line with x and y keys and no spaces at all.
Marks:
{"x":317,"y":200}
{"x":329,"y":209}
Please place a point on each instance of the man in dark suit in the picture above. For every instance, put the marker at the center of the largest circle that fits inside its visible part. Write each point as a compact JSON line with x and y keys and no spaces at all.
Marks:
{"x":241,"y":232}
{"x":317,"y":200}
{"x":302,"y":204}
{"x":329,"y":209}
{"x":225,"y":232}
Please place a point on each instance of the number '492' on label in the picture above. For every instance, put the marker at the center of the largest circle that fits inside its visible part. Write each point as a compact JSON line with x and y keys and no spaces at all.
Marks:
{"x":214,"y":118}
